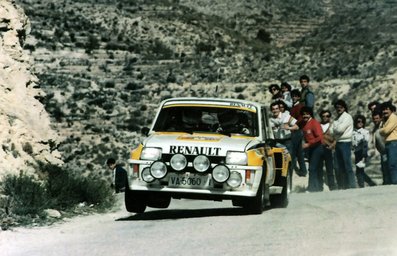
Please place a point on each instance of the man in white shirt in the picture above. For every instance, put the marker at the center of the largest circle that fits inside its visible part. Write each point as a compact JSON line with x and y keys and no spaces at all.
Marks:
{"x":360,"y":140}
{"x":342,"y":130}
{"x":282,"y":125}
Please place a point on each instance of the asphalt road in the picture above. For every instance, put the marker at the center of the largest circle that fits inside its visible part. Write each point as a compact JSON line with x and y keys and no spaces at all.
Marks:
{"x":349,"y":222}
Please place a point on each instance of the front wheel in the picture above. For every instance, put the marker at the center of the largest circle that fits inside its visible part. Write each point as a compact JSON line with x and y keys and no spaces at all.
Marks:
{"x":258,"y":204}
{"x":134,"y":201}
{"x":158,"y":201}
{"x":282,"y":200}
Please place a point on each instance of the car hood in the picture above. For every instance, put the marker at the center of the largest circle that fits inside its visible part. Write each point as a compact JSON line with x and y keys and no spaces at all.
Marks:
{"x":196,"y":144}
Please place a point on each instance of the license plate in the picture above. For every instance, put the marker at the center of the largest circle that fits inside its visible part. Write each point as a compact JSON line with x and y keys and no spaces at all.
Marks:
{"x":190,"y":180}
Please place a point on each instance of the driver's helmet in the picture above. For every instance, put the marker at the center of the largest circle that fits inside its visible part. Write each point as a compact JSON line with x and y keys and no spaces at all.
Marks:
{"x":191,"y":117}
{"x":228,"y":119}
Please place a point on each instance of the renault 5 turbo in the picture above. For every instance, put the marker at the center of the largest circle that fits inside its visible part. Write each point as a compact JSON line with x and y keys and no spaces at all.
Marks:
{"x":209,"y":149}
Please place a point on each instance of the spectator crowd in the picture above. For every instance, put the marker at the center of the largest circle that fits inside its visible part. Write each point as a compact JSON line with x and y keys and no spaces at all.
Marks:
{"x":340,"y":144}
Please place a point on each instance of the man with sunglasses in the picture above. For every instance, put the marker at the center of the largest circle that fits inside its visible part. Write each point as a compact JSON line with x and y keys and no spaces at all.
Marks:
{"x":275,"y":90}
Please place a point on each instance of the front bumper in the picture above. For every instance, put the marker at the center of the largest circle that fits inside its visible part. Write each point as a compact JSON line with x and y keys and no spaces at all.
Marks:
{"x":212,"y":190}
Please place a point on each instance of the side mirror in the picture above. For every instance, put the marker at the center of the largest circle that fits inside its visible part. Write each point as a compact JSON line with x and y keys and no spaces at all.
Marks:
{"x":145,"y":131}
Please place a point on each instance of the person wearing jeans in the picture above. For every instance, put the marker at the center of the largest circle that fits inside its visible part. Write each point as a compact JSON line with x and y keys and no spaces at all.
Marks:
{"x":342,"y":130}
{"x":313,"y":136}
{"x":297,"y":156}
{"x":327,"y":155}
{"x":360,"y":142}
{"x":389,"y":131}
{"x":379,"y":142}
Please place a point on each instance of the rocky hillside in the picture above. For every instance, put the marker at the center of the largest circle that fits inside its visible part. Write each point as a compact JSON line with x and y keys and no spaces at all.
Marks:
{"x":105,"y":65}
{"x":25,"y":132}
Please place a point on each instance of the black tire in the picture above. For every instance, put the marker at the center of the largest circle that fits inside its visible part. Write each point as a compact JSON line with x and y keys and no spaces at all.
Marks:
{"x":282,"y":200}
{"x":158,"y":201}
{"x":258,"y":204}
{"x":134,"y":201}
{"x":238,"y":202}
{"x":290,"y":173}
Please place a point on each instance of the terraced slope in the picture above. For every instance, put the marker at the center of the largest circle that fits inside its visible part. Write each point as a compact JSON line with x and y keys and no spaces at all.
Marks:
{"x":105,"y":65}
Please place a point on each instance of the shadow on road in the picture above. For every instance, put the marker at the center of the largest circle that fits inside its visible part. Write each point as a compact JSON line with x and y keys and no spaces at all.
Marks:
{"x":185,"y":214}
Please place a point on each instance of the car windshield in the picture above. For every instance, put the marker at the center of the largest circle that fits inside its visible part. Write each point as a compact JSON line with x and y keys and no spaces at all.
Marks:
{"x":211,"y":119}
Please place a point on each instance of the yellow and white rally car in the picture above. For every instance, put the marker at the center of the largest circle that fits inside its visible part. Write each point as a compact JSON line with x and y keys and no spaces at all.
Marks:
{"x":209,"y":149}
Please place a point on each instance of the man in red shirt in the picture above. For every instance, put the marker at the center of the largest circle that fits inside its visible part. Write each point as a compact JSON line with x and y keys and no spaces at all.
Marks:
{"x":313,"y":136}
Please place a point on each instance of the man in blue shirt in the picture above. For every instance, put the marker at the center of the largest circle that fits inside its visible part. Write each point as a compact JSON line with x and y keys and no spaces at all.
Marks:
{"x":307,"y":96}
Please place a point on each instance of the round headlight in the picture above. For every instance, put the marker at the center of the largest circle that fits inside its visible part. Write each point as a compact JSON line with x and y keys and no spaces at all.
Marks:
{"x":220,"y":173}
{"x":235,"y":180}
{"x":201,"y":163}
{"x":146,"y":176}
{"x":158,"y":170}
{"x":178,"y":162}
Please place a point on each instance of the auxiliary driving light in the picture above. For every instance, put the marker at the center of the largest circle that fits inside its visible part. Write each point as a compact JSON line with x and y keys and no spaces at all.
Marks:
{"x":158,"y":170}
{"x":220,"y":173}
{"x":235,"y":180}
{"x":146,"y":176}
{"x":201,"y":163}
{"x":178,"y":162}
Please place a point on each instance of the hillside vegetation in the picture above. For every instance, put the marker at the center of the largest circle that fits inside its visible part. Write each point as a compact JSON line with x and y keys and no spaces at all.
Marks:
{"x":105,"y":65}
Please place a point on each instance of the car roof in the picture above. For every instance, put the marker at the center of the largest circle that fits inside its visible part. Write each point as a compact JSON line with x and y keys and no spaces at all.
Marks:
{"x":200,"y":100}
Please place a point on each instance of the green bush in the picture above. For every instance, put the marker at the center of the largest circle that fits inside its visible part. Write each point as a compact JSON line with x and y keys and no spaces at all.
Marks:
{"x":133,"y":86}
{"x":27,"y":147}
{"x":27,"y":195}
{"x":67,"y":189}
{"x":92,"y":44}
{"x":60,"y":189}
{"x":204,"y":47}
{"x":161,"y":50}
{"x":263,"y":36}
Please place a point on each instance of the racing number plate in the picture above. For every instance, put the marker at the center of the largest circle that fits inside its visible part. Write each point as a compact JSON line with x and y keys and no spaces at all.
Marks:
{"x":189,"y":180}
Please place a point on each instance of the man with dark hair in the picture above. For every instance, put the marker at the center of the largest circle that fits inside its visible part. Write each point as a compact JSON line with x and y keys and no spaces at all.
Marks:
{"x":342,"y":130}
{"x":313,"y":136}
{"x":286,"y":91}
{"x":307,"y":96}
{"x":373,"y":105}
{"x":275,"y":90}
{"x":389,"y":132}
{"x":327,"y":146}
{"x":119,"y":175}
{"x":282,"y":125}
{"x":379,"y":143}
{"x":297,"y":136}
{"x":360,"y":140}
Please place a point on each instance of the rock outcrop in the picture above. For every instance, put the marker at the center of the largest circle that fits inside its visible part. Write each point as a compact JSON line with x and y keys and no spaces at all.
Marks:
{"x":26,"y":136}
